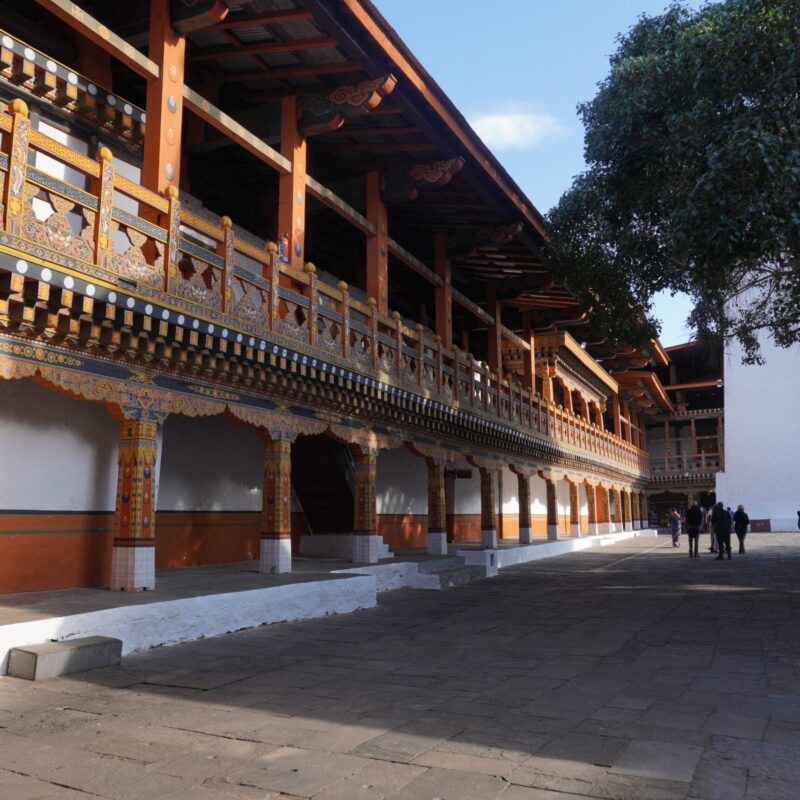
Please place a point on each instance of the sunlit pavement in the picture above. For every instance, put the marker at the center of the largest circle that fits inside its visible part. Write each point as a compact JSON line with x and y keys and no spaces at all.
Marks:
{"x":627,"y":672}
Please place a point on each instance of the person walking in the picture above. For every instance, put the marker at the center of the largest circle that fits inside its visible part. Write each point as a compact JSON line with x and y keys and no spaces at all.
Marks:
{"x":674,"y":522}
{"x":722,"y":527}
{"x":709,"y":523}
{"x":740,"y":523}
{"x":694,"y":519}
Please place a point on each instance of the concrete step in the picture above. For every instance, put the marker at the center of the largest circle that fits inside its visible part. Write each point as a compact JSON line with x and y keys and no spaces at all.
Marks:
{"x":38,"y":662}
{"x":426,"y":567}
{"x":458,"y":575}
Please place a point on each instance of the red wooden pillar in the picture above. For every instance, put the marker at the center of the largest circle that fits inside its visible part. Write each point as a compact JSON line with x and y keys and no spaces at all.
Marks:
{"x":444,"y":293}
{"x":162,"y":141}
{"x":495,"y":356}
{"x":616,"y":415}
{"x":377,"y":245}
{"x":365,"y":516}
{"x":528,"y":357}
{"x":488,"y":508}
{"x":276,"y":527}
{"x":437,"y":508}
{"x":292,"y":187}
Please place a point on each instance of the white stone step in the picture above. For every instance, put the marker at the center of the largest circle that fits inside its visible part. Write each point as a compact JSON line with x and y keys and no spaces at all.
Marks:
{"x":38,"y":662}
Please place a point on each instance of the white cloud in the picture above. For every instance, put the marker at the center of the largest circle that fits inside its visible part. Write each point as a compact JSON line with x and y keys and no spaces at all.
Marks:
{"x":515,"y":128}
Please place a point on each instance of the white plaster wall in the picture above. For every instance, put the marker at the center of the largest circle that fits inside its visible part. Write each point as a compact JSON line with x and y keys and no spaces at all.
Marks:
{"x":210,"y":464}
{"x":562,"y":499}
{"x":583,"y":502}
{"x":762,"y":435}
{"x":60,"y":454}
{"x":402,"y":486}
{"x":467,"y":491}
{"x":510,"y":495}
{"x":538,"y":496}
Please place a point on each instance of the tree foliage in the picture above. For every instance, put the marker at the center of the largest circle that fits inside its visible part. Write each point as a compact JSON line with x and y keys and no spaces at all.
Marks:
{"x":692,"y":146}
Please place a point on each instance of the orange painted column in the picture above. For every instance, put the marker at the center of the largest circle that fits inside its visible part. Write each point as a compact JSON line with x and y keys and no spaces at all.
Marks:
{"x":162,"y":141}
{"x":524,"y":497}
{"x":627,"y":511}
{"x":591,"y":505}
{"x":365,"y":517}
{"x":574,"y":509}
{"x":528,"y":356}
{"x":552,"y":509}
{"x":617,"y":516}
{"x":488,"y":508}
{"x":636,"y":501}
{"x":276,"y":526}
{"x":616,"y":415}
{"x":599,"y":421}
{"x":292,"y":187}
{"x":603,"y":509}
{"x":437,"y":509}
{"x":133,"y":562}
{"x":495,"y":351}
{"x":377,"y":245}
{"x":444,"y":293}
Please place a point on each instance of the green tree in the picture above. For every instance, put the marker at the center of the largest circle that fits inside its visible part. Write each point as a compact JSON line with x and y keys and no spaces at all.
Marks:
{"x":692,"y":147}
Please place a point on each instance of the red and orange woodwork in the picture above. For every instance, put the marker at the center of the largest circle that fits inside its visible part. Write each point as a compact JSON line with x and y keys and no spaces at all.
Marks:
{"x":488,"y":507}
{"x":17,"y":163}
{"x":437,"y":508}
{"x":528,"y":356}
{"x":603,"y":508}
{"x":292,"y":186}
{"x":162,"y":144}
{"x":574,"y":509}
{"x":627,"y":511}
{"x":133,"y":562}
{"x":552,"y":509}
{"x":524,"y":497}
{"x":365,"y":517}
{"x":444,"y":292}
{"x":377,"y":245}
{"x":591,"y":507}
{"x":276,"y":531}
{"x":495,"y":345}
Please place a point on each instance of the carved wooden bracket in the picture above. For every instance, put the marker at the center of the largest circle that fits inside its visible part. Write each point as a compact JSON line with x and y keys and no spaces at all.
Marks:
{"x":401,"y":184}
{"x":324,"y":113}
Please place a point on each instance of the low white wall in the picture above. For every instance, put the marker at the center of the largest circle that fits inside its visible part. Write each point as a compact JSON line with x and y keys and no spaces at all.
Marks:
{"x":154,"y":624}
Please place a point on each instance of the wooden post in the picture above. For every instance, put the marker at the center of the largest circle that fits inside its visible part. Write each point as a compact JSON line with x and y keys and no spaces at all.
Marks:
{"x":311,"y":271}
{"x":365,"y":517}
{"x":274,"y":277}
{"x":377,"y":244}
{"x":528,"y":357}
{"x":495,"y":351}
{"x":162,"y":143}
{"x":552,"y":510}
{"x":524,"y":498}
{"x":105,"y":207}
{"x":444,"y":293}
{"x":488,"y":509}
{"x":276,"y":525}
{"x":14,"y":190}
{"x":292,"y":186}
{"x":616,"y":415}
{"x":344,"y":310}
{"x":437,"y":508}
{"x":173,"y":236}
{"x":226,"y":251}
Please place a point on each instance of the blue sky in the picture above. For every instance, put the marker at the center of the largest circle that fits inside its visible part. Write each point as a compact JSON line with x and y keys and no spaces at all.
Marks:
{"x":517,"y":69}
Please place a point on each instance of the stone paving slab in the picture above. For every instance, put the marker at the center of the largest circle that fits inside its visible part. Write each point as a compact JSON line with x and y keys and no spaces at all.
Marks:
{"x":627,"y":673}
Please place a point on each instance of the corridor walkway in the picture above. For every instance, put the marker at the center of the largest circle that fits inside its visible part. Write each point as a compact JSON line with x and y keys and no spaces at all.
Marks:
{"x":630,"y":672}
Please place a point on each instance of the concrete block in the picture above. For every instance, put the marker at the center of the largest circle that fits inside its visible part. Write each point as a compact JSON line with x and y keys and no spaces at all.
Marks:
{"x":38,"y":662}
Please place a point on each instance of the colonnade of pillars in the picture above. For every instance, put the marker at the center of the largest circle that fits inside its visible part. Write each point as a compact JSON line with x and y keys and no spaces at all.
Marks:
{"x":133,"y":563}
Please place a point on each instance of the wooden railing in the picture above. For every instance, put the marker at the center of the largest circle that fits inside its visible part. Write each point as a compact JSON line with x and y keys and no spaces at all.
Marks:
{"x":684,"y":465}
{"x":99,"y":222}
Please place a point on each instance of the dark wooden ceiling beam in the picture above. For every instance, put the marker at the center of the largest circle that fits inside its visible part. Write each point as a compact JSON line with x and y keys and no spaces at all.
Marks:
{"x":267,"y":18}
{"x":264,"y":48}
{"x":304,"y":71}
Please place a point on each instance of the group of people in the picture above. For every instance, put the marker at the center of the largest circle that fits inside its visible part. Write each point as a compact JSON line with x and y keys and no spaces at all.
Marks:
{"x":718,"y":521}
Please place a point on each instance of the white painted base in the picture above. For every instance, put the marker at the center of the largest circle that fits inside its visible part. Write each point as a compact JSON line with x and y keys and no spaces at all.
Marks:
{"x":574,"y":529}
{"x":154,"y":624}
{"x":552,"y":533}
{"x":276,"y":556}
{"x":133,"y":569}
{"x":508,"y":557}
{"x":366,"y":548}
{"x":637,"y":525}
{"x":627,"y":526}
{"x":488,"y":537}
{"x":594,"y":529}
{"x":488,"y":559}
{"x":525,"y":535}
{"x":437,"y":543}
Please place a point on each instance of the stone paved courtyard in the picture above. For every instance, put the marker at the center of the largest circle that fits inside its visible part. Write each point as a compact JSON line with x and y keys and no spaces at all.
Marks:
{"x":627,"y":672}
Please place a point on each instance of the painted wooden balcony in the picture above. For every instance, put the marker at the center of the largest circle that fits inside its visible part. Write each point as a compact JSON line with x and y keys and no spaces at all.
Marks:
{"x":81,"y":214}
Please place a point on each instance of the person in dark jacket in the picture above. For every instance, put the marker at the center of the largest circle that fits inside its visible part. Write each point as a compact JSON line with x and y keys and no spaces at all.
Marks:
{"x":722,"y":528}
{"x":694,"y":519}
{"x":740,"y":523}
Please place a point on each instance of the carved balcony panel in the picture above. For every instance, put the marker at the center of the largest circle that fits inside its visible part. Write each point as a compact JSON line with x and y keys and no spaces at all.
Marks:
{"x":56,"y":222}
